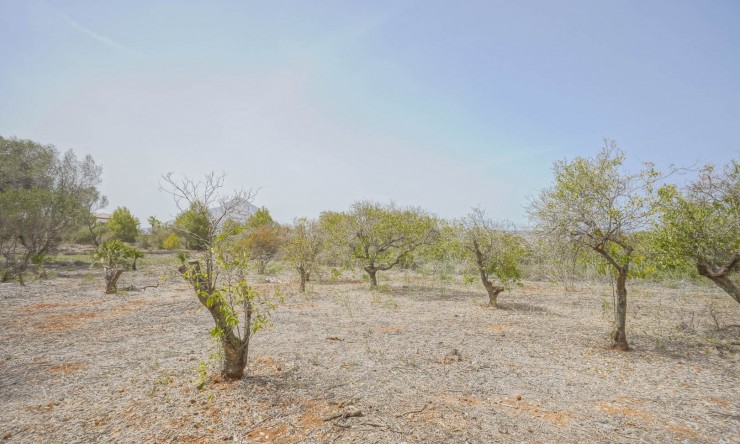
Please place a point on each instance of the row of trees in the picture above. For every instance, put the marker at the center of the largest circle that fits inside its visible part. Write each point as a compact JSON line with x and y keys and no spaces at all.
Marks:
{"x":623,"y":223}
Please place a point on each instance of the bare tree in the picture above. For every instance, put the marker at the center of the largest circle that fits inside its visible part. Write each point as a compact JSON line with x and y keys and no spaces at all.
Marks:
{"x":218,"y":273}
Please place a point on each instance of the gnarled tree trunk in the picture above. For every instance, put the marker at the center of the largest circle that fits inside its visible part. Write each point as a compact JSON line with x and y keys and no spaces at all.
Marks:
{"x":493,"y":292}
{"x":373,"y":273}
{"x":111,"y":279}
{"x":721,"y":276}
{"x":619,"y":336}
{"x":304,"y":278}
{"x":236,"y":350}
{"x":93,"y":236}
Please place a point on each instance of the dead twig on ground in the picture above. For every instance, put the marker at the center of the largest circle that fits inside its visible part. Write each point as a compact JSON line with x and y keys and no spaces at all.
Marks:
{"x":413,"y":411}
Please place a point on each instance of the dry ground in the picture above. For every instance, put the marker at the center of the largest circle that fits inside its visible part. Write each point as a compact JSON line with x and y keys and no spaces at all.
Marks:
{"x":419,"y":362}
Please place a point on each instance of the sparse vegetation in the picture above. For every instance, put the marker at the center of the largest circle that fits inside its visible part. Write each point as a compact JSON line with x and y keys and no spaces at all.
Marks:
{"x":595,"y":220}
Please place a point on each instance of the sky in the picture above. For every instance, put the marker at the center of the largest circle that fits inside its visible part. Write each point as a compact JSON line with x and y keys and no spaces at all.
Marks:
{"x":317,"y":104}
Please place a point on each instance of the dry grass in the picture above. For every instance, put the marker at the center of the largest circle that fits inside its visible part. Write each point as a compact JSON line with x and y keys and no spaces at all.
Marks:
{"x":421,"y":364}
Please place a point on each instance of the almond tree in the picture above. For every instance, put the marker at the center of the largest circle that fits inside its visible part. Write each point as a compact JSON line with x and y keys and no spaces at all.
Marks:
{"x":302,"y":246}
{"x":379,"y":237}
{"x":218,"y":273}
{"x":493,"y":249}
{"x":262,"y":244}
{"x":701,"y":224}
{"x":596,"y":205}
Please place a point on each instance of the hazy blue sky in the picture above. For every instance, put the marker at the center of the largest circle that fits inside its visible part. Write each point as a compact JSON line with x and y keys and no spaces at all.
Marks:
{"x":446,"y":105}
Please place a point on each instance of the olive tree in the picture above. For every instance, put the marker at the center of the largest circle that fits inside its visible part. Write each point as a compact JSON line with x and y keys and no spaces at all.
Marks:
{"x":379,"y":237}
{"x":218,"y":273}
{"x":302,"y":246}
{"x":43,"y":196}
{"x":594,"y":204}
{"x":115,"y":257}
{"x":701,"y":224}
{"x":493,"y":249}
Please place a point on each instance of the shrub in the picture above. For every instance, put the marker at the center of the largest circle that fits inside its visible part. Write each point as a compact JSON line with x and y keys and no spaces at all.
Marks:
{"x":172,"y":242}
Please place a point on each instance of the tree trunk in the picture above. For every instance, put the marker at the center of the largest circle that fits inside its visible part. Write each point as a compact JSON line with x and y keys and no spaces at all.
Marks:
{"x":308,"y":276}
{"x":93,"y":236}
{"x":261,"y":266}
{"x":236,"y":350}
{"x":493,"y":292}
{"x":372,"y":272}
{"x":235,"y":358}
{"x":14,"y":271}
{"x":111,"y":280}
{"x":619,"y":336}
{"x":720,"y":276}
{"x":304,"y":279}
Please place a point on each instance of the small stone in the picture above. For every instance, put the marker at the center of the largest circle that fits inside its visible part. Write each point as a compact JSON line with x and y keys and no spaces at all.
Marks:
{"x":518,"y":397}
{"x":6,"y":435}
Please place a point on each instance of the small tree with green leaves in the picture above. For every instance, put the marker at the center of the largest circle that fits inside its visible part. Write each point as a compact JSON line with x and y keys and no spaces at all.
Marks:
{"x":193,"y":223}
{"x":154,"y":223}
{"x":123,"y":225}
{"x":259,"y":218}
{"x":379,"y":237}
{"x":596,"y":205}
{"x":302,"y":246}
{"x":334,"y":250}
{"x":218,"y":273}
{"x":262,"y":244}
{"x":493,"y":249}
{"x":115,"y":257}
{"x":701,"y":225}
{"x":261,"y":238}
